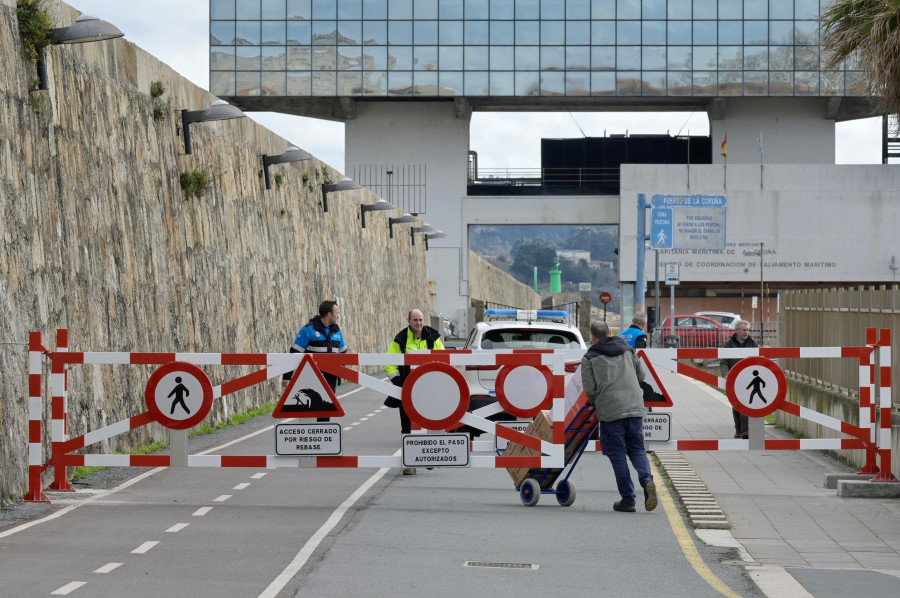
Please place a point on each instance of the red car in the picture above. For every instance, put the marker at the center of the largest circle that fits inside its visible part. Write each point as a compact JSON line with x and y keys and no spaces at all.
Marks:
{"x":695,"y":332}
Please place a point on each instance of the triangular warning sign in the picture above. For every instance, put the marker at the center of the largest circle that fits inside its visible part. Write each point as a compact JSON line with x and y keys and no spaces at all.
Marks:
{"x":655,"y":394}
{"x":308,"y":395}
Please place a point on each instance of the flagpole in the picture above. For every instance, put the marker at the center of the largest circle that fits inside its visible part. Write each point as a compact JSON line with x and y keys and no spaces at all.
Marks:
{"x":760,"y":159}
{"x":689,"y":160}
{"x":725,"y":155}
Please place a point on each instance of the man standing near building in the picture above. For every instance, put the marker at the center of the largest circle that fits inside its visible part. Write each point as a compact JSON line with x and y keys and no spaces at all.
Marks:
{"x":741,"y":339}
{"x":320,"y":335}
{"x":634,"y":335}
{"x":415,"y":336}
{"x":611,"y":373}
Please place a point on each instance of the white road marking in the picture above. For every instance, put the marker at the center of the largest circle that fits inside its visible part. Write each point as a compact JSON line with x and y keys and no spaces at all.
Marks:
{"x":69,"y":587}
{"x":241,"y":486}
{"x":258,"y":476}
{"x":177,"y":527}
{"x":202,"y":511}
{"x":362,"y":419}
{"x":108,"y":567}
{"x":222,"y":498}
{"x":145,"y":547}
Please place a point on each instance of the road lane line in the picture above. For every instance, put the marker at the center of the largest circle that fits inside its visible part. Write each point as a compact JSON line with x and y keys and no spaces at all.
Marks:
{"x":202,"y":511}
{"x":291,"y":570}
{"x":684,"y":538}
{"x":258,"y":476}
{"x":145,"y":547}
{"x":108,"y":567}
{"x":177,"y":528}
{"x":241,"y":486}
{"x":222,"y":498}
{"x":69,"y":587}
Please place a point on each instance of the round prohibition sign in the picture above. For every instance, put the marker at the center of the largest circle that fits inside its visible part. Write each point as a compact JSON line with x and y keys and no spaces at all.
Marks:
{"x":178,"y":395}
{"x":523,"y":390}
{"x":756,"y":386}
{"x":435,"y":396}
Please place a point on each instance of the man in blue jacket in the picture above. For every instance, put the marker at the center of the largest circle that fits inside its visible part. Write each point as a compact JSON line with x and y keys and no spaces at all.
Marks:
{"x":634,"y":335}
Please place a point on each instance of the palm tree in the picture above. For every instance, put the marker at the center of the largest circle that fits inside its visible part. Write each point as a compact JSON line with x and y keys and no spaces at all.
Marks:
{"x":869,"y":31}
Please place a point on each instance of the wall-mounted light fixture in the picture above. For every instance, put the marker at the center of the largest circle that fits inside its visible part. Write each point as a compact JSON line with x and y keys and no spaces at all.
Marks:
{"x":426,"y":228}
{"x":402,"y":219}
{"x":436,"y":235}
{"x":346,"y":184}
{"x":381,"y":204}
{"x":85,"y":29}
{"x":220,"y":110}
{"x":293,"y":154}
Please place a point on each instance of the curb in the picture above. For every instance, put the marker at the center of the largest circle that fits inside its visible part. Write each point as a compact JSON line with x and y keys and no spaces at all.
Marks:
{"x":701,"y":507}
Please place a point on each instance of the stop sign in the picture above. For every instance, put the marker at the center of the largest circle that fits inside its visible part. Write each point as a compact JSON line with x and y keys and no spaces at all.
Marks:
{"x":605,"y":298}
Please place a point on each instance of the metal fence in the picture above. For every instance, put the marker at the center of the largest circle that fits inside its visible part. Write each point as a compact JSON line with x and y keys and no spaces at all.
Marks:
{"x":837,"y":318}
{"x":765,"y":334}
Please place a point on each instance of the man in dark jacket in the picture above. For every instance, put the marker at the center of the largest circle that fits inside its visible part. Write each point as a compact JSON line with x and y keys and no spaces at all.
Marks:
{"x":611,"y":373}
{"x":741,"y":339}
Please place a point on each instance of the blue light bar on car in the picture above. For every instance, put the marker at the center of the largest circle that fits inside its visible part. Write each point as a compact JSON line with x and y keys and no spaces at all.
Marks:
{"x":526,"y":315}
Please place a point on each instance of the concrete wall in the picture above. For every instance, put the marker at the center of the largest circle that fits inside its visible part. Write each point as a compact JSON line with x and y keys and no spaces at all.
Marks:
{"x":496,"y":286}
{"x":99,"y":238}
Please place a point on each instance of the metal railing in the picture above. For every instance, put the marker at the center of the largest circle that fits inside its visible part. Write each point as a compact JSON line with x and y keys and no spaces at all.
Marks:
{"x":571,"y":177}
{"x":764,"y":333}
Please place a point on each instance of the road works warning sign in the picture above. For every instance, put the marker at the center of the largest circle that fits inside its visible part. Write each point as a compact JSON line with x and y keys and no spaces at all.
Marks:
{"x":436,"y":450}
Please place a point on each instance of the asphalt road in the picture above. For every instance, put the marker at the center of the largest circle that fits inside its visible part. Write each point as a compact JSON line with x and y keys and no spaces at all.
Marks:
{"x":238,"y":532}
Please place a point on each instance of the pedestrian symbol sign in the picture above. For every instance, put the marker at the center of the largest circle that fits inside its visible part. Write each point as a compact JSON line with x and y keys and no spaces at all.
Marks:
{"x":756,"y":386}
{"x":661,"y":228}
{"x":178,"y":395}
{"x":308,"y":395}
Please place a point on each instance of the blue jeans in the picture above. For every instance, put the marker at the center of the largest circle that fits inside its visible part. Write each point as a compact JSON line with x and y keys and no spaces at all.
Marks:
{"x":626,"y":437}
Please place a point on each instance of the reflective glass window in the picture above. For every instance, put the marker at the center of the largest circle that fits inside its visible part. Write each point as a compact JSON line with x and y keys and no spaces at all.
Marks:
{"x":450,"y":58}
{"x":247,"y":83}
{"x":299,"y":9}
{"x":476,"y":9}
{"x":349,"y":33}
{"x":705,"y":9}
{"x":528,"y":32}
{"x":502,"y":58}
{"x":349,"y":9}
{"x":477,"y":58}
{"x":349,"y":83}
{"x":476,"y":33}
{"x":704,"y":32}
{"x":653,"y":83}
{"x":553,"y":58}
{"x":780,"y":9}
{"x":324,"y":59}
{"x":502,"y":9}
{"x":528,"y":83}
{"x":678,"y":33}
{"x":375,"y":32}
{"x":323,"y":33}
{"x":374,"y":9}
{"x":756,"y":9}
{"x":679,"y":9}
{"x":577,"y":57}
{"x":553,"y":33}
{"x":400,"y":33}
{"x":450,"y":9}
{"x":221,"y":9}
{"x":756,"y":58}
{"x":730,"y":83}
{"x":603,"y":57}
{"x":398,"y":9}
{"x":324,"y":9}
{"x":221,"y":58}
{"x":375,"y":58}
{"x":628,"y":32}
{"x":781,"y":58}
{"x":603,"y":32}
{"x":400,"y":58}
{"x":578,"y":32}
{"x":247,"y":9}
{"x":578,"y":83}
{"x":299,"y":33}
{"x":628,"y":9}
{"x":679,"y":84}
{"x":806,"y":9}
{"x":222,"y":84}
{"x":806,"y":32}
{"x":832,"y":83}
{"x":653,"y":57}
{"x":399,"y":83}
{"x":756,"y":32}
{"x":731,"y":9}
{"x":273,"y":33}
{"x":451,"y":83}
{"x":425,"y":9}
{"x":425,"y":58}
{"x":553,"y":9}
{"x":273,"y":9}
{"x":731,"y":32}
{"x":299,"y":58}
{"x":247,"y":58}
{"x":476,"y":84}
{"x":756,"y":83}
{"x":704,"y":83}
{"x":731,"y":58}
{"x":781,"y":32}
{"x":603,"y":84}
{"x":806,"y":58}
{"x":503,"y":83}
{"x":653,"y":9}
{"x":528,"y":9}
{"x":349,"y":58}
{"x":653,"y":32}
{"x":221,"y":33}
{"x":553,"y":83}
{"x":705,"y":57}
{"x":425,"y":32}
{"x":450,"y":32}
{"x":503,"y":33}
{"x":425,"y":82}
{"x":528,"y":58}
{"x":603,"y":9}
{"x":781,"y":84}
{"x":628,"y":58}
{"x":679,"y":59}
{"x":247,"y":33}
{"x":578,"y":9}
{"x":628,"y":84}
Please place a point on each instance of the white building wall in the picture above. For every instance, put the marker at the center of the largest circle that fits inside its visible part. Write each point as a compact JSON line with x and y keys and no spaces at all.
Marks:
{"x":794,"y":131}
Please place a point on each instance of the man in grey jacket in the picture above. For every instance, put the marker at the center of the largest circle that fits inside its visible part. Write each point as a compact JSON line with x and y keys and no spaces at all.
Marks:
{"x":611,"y":373}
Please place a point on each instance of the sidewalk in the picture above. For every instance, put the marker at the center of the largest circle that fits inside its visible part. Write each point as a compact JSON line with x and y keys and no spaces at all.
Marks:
{"x":799,"y":538}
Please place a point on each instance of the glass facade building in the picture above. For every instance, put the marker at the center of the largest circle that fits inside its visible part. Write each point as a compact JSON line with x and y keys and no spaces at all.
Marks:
{"x":521,"y":49}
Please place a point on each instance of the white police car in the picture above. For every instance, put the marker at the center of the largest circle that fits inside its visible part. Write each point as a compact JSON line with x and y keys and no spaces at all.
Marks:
{"x":515,"y":329}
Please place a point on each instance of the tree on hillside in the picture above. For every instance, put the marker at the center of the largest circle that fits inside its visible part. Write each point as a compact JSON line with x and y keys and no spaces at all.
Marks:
{"x":600,"y":241}
{"x":530,"y":254}
{"x":868,"y":30}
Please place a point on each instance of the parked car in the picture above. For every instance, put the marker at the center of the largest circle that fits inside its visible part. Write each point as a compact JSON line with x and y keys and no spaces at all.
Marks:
{"x":515,"y":329}
{"x":695,"y":332}
{"x":725,"y":318}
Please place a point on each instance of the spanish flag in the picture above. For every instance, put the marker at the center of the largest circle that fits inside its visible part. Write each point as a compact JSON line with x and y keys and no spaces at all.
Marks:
{"x":725,"y":146}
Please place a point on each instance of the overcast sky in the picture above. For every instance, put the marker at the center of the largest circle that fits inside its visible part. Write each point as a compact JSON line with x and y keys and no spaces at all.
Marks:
{"x":176,"y":32}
